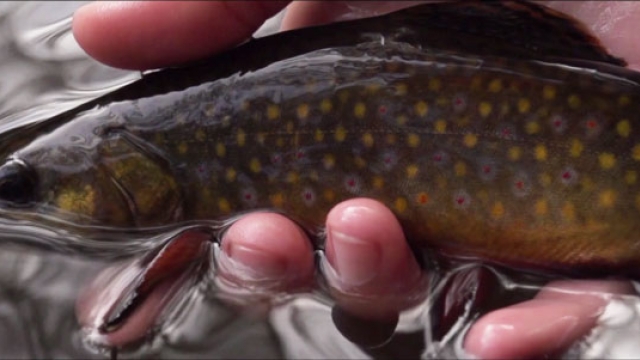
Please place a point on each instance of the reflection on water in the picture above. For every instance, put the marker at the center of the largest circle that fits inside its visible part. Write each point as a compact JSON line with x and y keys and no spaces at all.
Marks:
{"x":44,"y":72}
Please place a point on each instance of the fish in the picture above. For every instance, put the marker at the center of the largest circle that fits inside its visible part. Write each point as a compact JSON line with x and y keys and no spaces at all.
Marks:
{"x":487,"y":140}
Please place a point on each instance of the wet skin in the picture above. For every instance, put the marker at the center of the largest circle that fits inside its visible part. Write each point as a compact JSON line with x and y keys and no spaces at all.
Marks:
{"x":358,"y":219}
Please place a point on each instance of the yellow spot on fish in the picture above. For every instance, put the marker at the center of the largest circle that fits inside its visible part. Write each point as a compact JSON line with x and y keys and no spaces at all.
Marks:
{"x":435,"y":84}
{"x":532,"y":127}
{"x":574,"y":101}
{"x":182,"y":148}
{"x":230,"y":174}
{"x":302,"y":111}
{"x":576,"y":148}
{"x":470,"y":140}
{"x":273,"y":112}
{"x":495,"y":85}
{"x":391,"y":139}
{"x":460,"y":169}
{"x":292,"y":177}
{"x":422,"y":198}
{"x":254,"y":165}
{"x":540,"y":152}
{"x":340,"y":134}
{"x":401,"y":204}
{"x":319,"y":135}
{"x":441,"y":181}
{"x":514,"y":153}
{"x":413,"y":140}
{"x":545,"y":179}
{"x":360,"y":162}
{"x":378,"y":182}
{"x":277,"y":199}
{"x":401,"y":89}
{"x":241,"y":137}
{"x":367,"y":139}
{"x":485,"y":108}
{"x":441,"y":126}
{"x":524,"y":105}
{"x":631,"y":177}
{"x":548,"y":92}
{"x":541,"y":207}
{"x":280,"y":142}
{"x":421,"y":108}
{"x":607,"y":160}
{"x":568,"y":211}
{"x":326,"y":106}
{"x":220,"y":149}
{"x":329,"y":195}
{"x":624,"y":128}
{"x":401,"y":120}
{"x":624,"y":100}
{"x":607,"y":198}
{"x":329,"y":161}
{"x":223,"y":205}
{"x":360,"y":110}
{"x":412,"y":171}
{"x":497,"y":211}
{"x":635,"y":153}
{"x":201,"y":135}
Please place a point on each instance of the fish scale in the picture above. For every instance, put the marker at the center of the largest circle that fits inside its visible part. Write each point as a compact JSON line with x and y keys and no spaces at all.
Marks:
{"x":531,"y":162}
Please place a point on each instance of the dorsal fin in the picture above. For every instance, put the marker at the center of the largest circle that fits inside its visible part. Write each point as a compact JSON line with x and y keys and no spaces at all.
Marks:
{"x":504,"y":28}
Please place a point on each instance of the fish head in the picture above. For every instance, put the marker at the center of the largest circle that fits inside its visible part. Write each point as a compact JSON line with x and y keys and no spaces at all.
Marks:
{"x":84,"y":173}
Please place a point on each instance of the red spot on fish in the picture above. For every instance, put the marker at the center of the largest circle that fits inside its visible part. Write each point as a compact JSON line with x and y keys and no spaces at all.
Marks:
{"x":568,"y":176}
{"x":423,"y":198}
{"x":592,"y":124}
{"x":248,"y":196}
{"x":486,"y":169}
{"x":382,"y":109}
{"x":460,"y":200}
{"x":300,"y":154}
{"x":519,"y":184}
{"x":351,"y":182}
{"x":276,"y":159}
{"x":437,"y":157}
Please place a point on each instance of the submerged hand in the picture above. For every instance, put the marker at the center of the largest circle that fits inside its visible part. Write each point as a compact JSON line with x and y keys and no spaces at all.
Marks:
{"x":267,"y":248}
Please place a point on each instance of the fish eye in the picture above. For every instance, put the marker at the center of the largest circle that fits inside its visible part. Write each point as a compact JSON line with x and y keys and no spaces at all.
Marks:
{"x":18,"y":183}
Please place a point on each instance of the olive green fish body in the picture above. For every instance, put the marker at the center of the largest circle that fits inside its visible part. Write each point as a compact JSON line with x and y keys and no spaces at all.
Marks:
{"x":528,"y":162}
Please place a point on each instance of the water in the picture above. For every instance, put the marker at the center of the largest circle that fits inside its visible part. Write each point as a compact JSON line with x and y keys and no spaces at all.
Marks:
{"x":44,"y":72}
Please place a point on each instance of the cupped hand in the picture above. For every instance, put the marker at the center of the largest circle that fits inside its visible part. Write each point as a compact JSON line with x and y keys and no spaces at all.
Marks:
{"x":369,"y":266}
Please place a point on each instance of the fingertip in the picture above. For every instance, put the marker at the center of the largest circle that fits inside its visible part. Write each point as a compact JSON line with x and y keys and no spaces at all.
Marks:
{"x":267,"y":248}
{"x":151,"y":34}
{"x":367,"y":257}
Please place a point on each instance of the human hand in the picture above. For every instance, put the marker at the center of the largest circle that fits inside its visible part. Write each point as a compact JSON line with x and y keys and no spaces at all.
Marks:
{"x":273,"y":249}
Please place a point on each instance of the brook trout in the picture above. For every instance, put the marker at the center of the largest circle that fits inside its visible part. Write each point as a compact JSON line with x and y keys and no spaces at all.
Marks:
{"x":485,"y":139}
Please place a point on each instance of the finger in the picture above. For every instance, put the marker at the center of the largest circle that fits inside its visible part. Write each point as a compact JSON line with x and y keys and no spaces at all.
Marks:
{"x":265,"y":252}
{"x":308,"y":13}
{"x":615,"y":23}
{"x":152,"y":34}
{"x":369,"y":266}
{"x":562,"y":313}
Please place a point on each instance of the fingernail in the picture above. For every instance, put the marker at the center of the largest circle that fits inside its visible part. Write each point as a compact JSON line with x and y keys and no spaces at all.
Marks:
{"x":354,"y":261}
{"x":255,"y":264}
